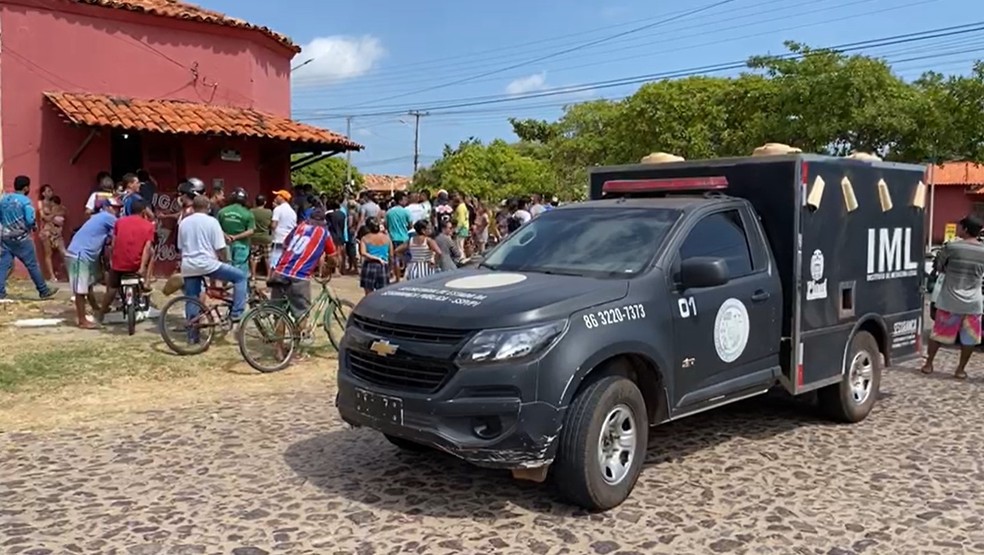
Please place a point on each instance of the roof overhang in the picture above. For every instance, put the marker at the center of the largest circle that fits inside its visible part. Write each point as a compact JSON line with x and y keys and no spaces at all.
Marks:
{"x":181,"y":117}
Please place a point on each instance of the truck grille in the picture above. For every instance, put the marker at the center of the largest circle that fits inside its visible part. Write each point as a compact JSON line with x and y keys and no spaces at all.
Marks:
{"x":400,"y":372}
{"x":414,"y":333}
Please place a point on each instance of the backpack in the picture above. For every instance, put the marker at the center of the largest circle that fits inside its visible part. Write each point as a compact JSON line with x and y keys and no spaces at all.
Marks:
{"x":513,"y":223}
{"x":444,"y":213}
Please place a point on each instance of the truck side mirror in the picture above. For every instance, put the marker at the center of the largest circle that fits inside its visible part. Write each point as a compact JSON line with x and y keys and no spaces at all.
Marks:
{"x":703,"y":271}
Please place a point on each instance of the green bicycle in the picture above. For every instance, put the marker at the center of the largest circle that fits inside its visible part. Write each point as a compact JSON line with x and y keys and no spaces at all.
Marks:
{"x":269,"y":335}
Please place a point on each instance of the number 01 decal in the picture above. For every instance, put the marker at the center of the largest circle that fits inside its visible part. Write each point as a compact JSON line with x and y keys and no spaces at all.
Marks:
{"x":688,"y":307}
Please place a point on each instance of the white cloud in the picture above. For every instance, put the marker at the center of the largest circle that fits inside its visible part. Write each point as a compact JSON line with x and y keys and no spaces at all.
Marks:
{"x":528,"y":84}
{"x":336,"y":58}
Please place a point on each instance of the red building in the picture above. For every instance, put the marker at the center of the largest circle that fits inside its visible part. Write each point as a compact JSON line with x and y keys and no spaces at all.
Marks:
{"x":958,"y":190}
{"x":117,"y":85}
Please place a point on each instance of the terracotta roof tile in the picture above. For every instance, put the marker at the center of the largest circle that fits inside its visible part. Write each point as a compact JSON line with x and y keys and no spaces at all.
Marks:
{"x":182,"y":10}
{"x":385,"y":183}
{"x":181,"y":117}
{"x":956,"y":174}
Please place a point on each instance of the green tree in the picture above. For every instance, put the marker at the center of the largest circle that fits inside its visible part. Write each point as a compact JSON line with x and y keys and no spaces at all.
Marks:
{"x":327,"y":176}
{"x":492,"y":172}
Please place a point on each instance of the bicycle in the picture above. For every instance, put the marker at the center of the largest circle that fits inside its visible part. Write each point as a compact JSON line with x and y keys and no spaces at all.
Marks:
{"x":278,"y":328}
{"x":196,"y":322}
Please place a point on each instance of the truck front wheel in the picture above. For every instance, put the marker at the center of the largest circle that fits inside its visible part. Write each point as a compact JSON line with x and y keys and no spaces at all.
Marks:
{"x":602,"y":444}
{"x":853,"y":398}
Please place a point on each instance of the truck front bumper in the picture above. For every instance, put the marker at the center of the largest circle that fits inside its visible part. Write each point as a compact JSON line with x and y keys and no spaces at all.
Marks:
{"x":478,"y":416}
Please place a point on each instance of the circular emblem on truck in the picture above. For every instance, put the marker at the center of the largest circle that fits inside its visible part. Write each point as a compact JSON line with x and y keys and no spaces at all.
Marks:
{"x":485,"y":281}
{"x":816,"y":265}
{"x":731,"y":330}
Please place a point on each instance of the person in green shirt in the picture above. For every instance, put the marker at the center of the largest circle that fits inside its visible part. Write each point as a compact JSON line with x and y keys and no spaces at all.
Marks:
{"x":260,"y":240}
{"x":238,"y":224}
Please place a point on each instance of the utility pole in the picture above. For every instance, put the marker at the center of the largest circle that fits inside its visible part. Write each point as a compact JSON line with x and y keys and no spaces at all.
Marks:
{"x":348,"y":157}
{"x":417,"y":114}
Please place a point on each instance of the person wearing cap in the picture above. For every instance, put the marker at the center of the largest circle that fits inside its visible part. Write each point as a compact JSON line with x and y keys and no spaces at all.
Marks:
{"x":308,"y":247}
{"x":83,"y":255}
{"x":17,"y":221}
{"x":284,"y":221}
{"x":238,"y":224}
{"x":203,"y":251}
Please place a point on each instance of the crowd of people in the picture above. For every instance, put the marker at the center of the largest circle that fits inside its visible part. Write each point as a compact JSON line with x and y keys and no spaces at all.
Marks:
{"x":229,"y":238}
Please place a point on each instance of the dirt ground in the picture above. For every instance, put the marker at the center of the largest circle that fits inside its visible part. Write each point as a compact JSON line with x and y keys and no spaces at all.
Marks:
{"x":53,"y":376}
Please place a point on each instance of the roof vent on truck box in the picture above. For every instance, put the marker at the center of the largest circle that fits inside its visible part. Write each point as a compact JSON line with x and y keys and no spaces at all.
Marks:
{"x":866,"y":156}
{"x":661,"y":158}
{"x":775,"y":149}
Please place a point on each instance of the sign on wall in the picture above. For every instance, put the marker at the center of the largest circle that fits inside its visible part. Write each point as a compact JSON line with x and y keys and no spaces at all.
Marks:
{"x":950,"y":232}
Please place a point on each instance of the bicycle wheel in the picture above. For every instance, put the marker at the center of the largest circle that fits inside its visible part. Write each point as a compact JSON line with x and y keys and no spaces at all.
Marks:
{"x":267,"y":338}
{"x":184,"y":335}
{"x":336,"y":318}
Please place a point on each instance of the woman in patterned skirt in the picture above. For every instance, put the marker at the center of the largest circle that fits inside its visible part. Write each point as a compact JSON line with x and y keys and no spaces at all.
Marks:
{"x":422,"y":250}
{"x":377,"y":252}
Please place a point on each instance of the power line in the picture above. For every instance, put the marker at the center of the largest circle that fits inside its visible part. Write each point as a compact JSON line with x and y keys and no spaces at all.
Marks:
{"x":552,"y":55}
{"x":717,"y":41}
{"x":670,"y":36}
{"x":905,"y":38}
{"x":707,"y":26}
{"x":498,"y":52}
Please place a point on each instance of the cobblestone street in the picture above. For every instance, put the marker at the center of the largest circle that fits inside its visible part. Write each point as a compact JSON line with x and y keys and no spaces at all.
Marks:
{"x":281,"y":473}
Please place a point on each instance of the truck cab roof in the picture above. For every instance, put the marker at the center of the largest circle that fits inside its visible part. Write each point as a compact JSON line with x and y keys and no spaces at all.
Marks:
{"x":684,"y":203}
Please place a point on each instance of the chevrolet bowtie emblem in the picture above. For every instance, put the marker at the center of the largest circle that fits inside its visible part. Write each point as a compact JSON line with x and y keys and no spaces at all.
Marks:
{"x":383,"y":348}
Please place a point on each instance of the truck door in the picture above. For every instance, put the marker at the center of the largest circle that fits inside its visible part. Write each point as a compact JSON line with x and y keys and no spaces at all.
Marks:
{"x":727,"y":336}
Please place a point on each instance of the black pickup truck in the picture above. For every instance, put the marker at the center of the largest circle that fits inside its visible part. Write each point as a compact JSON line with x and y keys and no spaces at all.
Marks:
{"x":679,"y":288}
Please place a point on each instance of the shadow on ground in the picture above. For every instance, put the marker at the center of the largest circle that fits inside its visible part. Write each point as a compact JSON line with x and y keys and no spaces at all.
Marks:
{"x":361,"y":466}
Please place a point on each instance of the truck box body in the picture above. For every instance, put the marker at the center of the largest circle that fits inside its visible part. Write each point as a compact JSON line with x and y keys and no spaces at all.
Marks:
{"x":840,"y":269}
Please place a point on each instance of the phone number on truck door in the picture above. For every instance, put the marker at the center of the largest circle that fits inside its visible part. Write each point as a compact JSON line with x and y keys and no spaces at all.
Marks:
{"x":617,"y":315}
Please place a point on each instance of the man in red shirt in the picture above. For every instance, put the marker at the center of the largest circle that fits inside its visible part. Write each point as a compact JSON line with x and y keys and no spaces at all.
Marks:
{"x":132,"y":249}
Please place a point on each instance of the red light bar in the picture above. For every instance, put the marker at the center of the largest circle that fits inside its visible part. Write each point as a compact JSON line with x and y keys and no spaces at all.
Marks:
{"x":671,"y":184}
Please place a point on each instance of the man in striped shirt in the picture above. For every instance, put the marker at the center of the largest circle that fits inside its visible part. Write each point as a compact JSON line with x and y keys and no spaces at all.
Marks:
{"x":961,"y":301}
{"x":306,"y":248}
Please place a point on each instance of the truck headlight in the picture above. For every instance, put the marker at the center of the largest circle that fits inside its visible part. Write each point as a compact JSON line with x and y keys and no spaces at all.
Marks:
{"x":509,"y":343}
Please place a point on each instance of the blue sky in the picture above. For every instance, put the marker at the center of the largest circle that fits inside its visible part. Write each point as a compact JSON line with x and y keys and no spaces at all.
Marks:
{"x":374,"y":59}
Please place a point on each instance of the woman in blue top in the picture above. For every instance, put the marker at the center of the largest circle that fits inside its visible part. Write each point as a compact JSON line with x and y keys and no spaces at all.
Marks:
{"x":377,"y":252}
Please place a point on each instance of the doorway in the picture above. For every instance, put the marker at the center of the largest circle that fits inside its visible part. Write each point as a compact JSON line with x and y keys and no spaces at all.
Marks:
{"x":126,"y":153}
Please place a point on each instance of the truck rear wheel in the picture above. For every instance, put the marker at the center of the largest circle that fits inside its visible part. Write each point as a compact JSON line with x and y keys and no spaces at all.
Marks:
{"x":852,"y":399}
{"x":602,"y":444}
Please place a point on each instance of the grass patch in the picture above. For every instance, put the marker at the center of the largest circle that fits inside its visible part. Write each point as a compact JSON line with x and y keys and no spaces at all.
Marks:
{"x":55,"y":364}
{"x":95,"y":362}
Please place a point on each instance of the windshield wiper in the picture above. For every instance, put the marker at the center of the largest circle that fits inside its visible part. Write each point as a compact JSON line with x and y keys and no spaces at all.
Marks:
{"x":556,"y":272}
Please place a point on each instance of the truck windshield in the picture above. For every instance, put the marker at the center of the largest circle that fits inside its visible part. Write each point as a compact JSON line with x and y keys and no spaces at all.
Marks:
{"x":608,"y":242}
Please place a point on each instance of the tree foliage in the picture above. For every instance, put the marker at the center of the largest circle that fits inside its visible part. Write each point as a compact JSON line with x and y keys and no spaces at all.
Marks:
{"x":490,"y":171}
{"x":819,"y":100}
{"x":327,"y":176}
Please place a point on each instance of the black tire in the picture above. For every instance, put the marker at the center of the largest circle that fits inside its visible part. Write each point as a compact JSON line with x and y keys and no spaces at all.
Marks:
{"x":407,"y":445}
{"x":177,"y":338}
{"x":336,"y":317}
{"x":266,"y":320}
{"x":576,"y":471}
{"x":130,"y":307}
{"x":843,"y":401}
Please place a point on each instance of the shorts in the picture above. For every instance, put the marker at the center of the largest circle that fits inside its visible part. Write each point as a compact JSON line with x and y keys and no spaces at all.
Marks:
{"x":373,"y":276}
{"x":258,"y":251}
{"x":352,"y":250}
{"x":82,"y":274}
{"x":463,"y":232}
{"x":297,"y":292}
{"x":276,"y":251}
{"x":949,"y":327}
{"x":239,"y":256}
